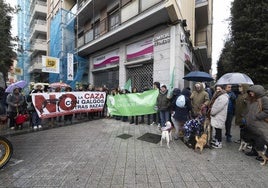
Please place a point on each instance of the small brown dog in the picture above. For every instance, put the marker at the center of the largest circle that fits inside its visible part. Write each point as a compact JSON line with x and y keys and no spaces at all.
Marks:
{"x":201,"y":142}
{"x":264,"y":155}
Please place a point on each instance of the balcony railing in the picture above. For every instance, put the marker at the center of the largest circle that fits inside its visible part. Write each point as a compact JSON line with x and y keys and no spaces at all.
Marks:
{"x":111,"y":22}
{"x":201,"y":38}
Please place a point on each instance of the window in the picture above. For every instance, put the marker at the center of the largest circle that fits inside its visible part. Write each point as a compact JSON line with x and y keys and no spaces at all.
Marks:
{"x":97,"y":29}
{"x":114,"y":21}
{"x":89,"y":36}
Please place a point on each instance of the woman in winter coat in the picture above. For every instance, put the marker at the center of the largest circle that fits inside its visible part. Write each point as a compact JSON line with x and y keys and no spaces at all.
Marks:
{"x":15,"y":101}
{"x":181,"y":115}
{"x":200,"y":99}
{"x":256,"y":130}
{"x":241,"y":106}
{"x":218,"y":113}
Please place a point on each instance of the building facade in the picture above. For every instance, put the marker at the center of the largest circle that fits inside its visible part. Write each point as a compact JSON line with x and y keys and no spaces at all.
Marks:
{"x":32,"y":33}
{"x":144,"y":40}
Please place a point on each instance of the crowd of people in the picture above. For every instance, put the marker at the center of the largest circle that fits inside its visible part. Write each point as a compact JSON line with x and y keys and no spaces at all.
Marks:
{"x":248,"y":104}
{"x":17,"y":102}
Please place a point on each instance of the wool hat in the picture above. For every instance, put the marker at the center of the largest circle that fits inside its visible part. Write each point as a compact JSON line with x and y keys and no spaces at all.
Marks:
{"x":38,"y":84}
{"x":163,"y":85}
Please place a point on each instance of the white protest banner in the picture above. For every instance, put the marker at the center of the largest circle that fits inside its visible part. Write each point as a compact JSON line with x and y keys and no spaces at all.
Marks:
{"x":54,"y":104}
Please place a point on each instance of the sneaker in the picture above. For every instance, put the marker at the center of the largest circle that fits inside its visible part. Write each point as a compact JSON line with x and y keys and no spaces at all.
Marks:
{"x":213,"y":141}
{"x":35,"y":127}
{"x":12,"y":128}
{"x":217,"y":145}
{"x":40,"y":126}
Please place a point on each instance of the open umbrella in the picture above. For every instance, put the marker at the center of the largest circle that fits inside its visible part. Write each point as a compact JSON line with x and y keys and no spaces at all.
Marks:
{"x":234,"y":78}
{"x":198,"y":76}
{"x":58,"y":84}
{"x":19,"y":84}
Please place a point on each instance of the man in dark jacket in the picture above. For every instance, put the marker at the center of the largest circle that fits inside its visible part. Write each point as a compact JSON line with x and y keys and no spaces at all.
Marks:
{"x":163,"y":105}
{"x":230,"y":112}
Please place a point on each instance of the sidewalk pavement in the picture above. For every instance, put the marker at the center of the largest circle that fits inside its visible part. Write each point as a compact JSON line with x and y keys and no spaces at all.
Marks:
{"x":90,"y":154}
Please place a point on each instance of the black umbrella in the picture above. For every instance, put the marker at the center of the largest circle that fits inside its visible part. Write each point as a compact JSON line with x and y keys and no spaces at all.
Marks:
{"x":198,"y":76}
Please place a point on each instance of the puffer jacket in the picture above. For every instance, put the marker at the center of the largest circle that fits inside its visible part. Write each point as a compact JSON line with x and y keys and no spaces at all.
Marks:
{"x":256,"y":114}
{"x":163,"y":102}
{"x":241,"y":105}
{"x":219,"y":111}
{"x":13,"y":100}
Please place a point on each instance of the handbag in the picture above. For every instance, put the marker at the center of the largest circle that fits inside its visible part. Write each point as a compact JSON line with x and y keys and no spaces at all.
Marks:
{"x":20,"y":118}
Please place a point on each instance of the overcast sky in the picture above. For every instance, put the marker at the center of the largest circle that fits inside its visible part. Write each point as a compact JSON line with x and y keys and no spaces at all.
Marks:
{"x":221,"y":13}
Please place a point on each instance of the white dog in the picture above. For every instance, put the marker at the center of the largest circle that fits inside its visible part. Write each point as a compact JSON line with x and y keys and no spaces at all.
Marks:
{"x":166,"y":133}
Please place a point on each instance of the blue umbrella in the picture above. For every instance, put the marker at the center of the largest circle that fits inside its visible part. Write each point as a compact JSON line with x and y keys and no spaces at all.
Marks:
{"x":198,"y":76}
{"x":20,"y":84}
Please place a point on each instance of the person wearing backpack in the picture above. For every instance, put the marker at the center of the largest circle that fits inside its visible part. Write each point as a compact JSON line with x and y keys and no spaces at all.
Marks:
{"x":181,"y":107}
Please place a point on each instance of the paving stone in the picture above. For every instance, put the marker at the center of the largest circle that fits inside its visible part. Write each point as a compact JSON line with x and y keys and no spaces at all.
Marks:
{"x":89,"y":154}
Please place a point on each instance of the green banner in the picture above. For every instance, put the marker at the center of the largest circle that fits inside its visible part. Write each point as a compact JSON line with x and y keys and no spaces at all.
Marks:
{"x":133,"y":104}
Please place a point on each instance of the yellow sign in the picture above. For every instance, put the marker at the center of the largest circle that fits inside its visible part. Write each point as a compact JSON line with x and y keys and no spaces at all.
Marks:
{"x":51,"y":63}
{"x":18,"y":71}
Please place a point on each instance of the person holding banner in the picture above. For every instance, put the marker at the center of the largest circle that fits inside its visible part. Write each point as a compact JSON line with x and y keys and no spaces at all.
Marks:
{"x":156,"y":116}
{"x":36,"y":120}
{"x":163,"y":105}
{"x":68,"y":117}
{"x":134,"y":90}
{"x":90,"y":115}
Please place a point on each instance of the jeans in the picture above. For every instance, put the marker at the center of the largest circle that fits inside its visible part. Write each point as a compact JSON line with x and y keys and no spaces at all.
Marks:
{"x":12,"y":116}
{"x":35,"y":119}
{"x":228,"y":124}
{"x":218,"y":134}
{"x":164,"y":117}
